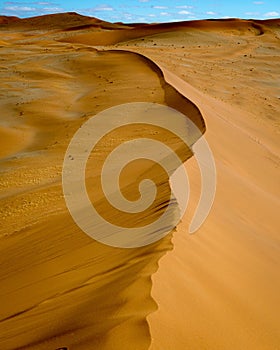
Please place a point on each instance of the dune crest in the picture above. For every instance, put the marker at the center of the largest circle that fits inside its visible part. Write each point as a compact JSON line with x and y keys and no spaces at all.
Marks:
{"x":58,"y":282}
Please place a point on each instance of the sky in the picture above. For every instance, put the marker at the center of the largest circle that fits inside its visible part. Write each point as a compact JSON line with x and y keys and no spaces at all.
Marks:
{"x":146,"y":10}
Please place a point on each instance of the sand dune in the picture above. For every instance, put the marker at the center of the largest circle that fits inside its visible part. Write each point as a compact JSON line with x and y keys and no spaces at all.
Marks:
{"x":217,"y":289}
{"x":226,"y":298}
{"x":54,"y":22}
{"x":117,"y":35}
{"x":58,"y":285}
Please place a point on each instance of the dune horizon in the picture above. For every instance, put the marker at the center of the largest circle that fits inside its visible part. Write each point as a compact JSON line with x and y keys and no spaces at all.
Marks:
{"x":216,"y":289}
{"x":75,"y":13}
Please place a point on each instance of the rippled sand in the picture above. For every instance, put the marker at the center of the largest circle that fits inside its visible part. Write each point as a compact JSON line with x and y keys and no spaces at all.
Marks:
{"x":217,"y":289}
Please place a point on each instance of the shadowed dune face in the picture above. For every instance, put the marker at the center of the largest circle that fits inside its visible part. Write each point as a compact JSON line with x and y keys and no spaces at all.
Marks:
{"x":8,"y":19}
{"x":61,"y":288}
{"x":49,"y":22}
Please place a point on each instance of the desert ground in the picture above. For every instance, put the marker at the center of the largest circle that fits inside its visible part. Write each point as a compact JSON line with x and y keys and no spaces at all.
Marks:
{"x":217,"y":289}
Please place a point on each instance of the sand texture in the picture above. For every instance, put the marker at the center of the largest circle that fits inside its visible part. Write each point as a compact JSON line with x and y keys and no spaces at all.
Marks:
{"x":218,"y":289}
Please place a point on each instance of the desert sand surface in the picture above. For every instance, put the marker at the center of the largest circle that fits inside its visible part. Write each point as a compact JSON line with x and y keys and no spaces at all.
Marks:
{"x":216,"y":289}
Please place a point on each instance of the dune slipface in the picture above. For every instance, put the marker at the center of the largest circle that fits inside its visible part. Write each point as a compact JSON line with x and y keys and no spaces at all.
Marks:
{"x":62,"y":288}
{"x":217,"y":289}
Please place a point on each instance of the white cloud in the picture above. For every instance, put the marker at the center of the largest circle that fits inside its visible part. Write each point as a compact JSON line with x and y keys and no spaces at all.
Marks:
{"x":258,"y":2}
{"x":183,"y":12}
{"x":160,"y":7}
{"x":176,"y":20}
{"x":29,"y":3}
{"x":32,"y":8}
{"x":272,"y":14}
{"x":211,"y":13}
{"x":127,"y":16}
{"x":252,"y":13}
{"x":103,"y":7}
{"x":51,"y":9}
{"x":184,"y":7}
{"x":19,"y":8}
{"x":164,"y":14}
{"x":143,"y":0}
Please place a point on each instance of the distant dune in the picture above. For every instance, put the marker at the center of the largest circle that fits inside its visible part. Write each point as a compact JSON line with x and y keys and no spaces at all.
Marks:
{"x":216,"y":289}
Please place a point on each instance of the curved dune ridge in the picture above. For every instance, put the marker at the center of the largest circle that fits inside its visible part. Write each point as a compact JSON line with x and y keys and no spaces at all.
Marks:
{"x":60,"y":286}
{"x":218,"y":289}
{"x":118,"y":35}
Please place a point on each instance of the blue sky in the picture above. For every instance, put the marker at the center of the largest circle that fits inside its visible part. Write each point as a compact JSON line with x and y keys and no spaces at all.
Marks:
{"x":146,"y":10}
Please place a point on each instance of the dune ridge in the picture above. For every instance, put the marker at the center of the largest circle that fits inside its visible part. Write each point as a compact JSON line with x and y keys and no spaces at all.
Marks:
{"x":115,"y":36}
{"x":53,"y":275}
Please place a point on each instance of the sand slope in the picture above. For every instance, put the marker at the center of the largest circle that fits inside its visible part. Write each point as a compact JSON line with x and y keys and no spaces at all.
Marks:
{"x":217,"y":289}
{"x":60,"y":286}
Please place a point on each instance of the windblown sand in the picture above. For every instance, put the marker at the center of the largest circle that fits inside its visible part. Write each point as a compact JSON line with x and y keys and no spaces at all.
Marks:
{"x":216,"y":289}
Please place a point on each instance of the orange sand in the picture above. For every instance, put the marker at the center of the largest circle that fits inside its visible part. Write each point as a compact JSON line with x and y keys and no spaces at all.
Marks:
{"x":217,"y":289}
